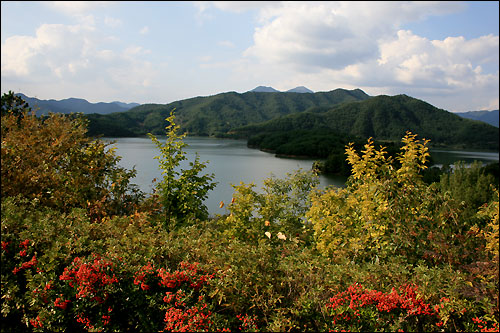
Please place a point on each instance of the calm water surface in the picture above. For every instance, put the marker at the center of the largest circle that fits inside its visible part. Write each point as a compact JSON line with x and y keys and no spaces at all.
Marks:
{"x":231,"y":161}
{"x":442,"y":157}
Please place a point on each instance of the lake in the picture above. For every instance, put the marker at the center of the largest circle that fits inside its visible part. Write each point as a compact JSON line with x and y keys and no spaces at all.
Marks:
{"x":230,"y":160}
{"x":233,"y":162}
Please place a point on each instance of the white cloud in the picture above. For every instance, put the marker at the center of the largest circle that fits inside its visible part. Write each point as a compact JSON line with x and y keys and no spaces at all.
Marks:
{"x":55,"y":49}
{"x":144,"y":30}
{"x":67,"y":59}
{"x":75,"y":8}
{"x":332,"y":34}
{"x":413,"y":60}
{"x":360,"y":44}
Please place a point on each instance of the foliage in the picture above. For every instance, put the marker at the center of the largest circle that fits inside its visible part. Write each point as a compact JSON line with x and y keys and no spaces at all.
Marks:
{"x":389,"y":252}
{"x":15,"y":105}
{"x":468,"y":185}
{"x":359,"y":309}
{"x":278,"y":209}
{"x":52,"y":161}
{"x":181,"y":192}
{"x":384,"y":211}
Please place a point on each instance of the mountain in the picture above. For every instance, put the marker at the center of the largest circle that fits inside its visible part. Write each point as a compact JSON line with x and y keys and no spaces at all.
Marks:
{"x":381,"y":118}
{"x":300,"y":89}
{"x":264,"y":89}
{"x":74,"y":105}
{"x":489,"y":117}
{"x":126,"y":105}
{"x":219,"y":114}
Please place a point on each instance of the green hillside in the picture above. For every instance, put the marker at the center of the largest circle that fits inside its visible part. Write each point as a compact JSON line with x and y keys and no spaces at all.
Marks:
{"x":218,"y":114}
{"x":382,"y":118}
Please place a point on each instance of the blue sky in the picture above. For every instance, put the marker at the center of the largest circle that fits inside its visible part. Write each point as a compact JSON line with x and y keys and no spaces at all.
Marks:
{"x":446,"y":53}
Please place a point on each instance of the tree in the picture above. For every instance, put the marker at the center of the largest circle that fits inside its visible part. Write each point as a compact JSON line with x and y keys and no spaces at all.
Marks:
{"x":387,"y":211}
{"x":52,"y":162}
{"x":181,"y":192}
{"x":14,"y":105}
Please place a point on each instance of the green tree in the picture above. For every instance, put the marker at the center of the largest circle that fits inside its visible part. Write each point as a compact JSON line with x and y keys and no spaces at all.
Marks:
{"x":15,"y":105}
{"x":181,"y":191}
{"x":279,"y":208}
{"x":469,"y":186}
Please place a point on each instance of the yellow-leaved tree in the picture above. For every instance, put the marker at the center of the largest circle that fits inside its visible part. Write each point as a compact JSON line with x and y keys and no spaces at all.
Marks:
{"x":385,"y":209}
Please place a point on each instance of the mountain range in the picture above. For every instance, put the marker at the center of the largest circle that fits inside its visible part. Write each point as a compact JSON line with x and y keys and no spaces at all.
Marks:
{"x":489,"y":117}
{"x":265,"y":113}
{"x":384,"y":118}
{"x":219,"y":114}
{"x":76,"y":105}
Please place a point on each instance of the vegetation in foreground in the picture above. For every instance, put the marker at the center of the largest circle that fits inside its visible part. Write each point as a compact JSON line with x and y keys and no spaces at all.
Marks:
{"x":83,"y":250}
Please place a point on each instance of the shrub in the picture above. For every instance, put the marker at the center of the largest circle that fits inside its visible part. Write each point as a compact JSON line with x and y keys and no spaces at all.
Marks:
{"x":384,"y":211}
{"x":50,"y":160}
{"x":278,"y":209}
{"x":180,"y":192}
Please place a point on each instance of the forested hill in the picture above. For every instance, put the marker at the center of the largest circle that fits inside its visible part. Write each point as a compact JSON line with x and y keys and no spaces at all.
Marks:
{"x":383,"y":118}
{"x":217,"y":114}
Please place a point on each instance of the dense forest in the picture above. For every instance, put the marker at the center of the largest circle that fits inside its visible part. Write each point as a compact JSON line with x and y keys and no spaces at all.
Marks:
{"x":84,"y":250}
{"x":387,"y":118}
{"x":216,"y":115}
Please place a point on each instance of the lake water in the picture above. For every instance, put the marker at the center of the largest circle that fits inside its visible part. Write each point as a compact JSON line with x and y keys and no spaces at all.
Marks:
{"x":442,"y":157}
{"x":230,"y":160}
{"x":233,"y":162}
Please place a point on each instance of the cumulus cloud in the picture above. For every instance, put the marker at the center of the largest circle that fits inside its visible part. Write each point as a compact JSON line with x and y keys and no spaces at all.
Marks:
{"x":331,"y":35}
{"x":452,"y":62}
{"x":361,"y":44}
{"x":73,"y":57}
{"x":54,"y":49}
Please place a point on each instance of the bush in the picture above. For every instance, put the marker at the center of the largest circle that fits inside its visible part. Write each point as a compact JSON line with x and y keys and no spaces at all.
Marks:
{"x":180,"y":192}
{"x":50,"y":160}
{"x":277,"y":210}
{"x":384,"y":211}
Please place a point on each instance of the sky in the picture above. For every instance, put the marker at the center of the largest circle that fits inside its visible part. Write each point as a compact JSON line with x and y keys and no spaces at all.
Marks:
{"x":445,"y":53}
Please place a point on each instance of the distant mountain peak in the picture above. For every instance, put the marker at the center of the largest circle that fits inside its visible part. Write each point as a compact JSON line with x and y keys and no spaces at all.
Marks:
{"x":300,"y":89}
{"x":75,"y":105}
{"x":489,"y":117}
{"x":264,"y":89}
